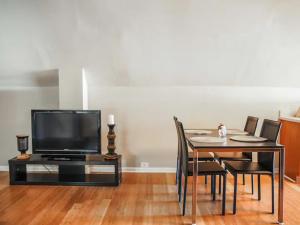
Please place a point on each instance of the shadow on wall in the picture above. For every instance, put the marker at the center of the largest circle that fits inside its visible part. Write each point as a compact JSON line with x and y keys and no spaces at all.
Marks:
{"x":131,"y":159}
{"x":15,"y":111}
{"x":122,"y":131}
{"x":41,"y":78}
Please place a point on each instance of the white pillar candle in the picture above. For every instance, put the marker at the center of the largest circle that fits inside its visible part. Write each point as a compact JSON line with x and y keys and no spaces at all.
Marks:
{"x":111,"y":119}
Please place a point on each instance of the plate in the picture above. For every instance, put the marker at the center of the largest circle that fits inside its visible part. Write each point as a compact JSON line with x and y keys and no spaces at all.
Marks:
{"x":248,"y":139}
{"x":197,"y":131}
{"x":236,"y":132}
{"x":208,"y":139}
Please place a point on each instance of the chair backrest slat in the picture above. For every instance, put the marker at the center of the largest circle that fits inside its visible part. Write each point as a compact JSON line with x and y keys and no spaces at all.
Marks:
{"x":250,"y":127}
{"x":270,"y":130}
{"x":178,"y":137}
{"x":184,"y":149}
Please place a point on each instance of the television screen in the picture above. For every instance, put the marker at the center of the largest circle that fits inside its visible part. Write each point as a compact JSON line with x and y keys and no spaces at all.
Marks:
{"x":65,"y":131}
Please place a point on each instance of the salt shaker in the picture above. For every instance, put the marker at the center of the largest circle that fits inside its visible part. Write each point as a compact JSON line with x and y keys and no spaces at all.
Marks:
{"x":222,"y":130}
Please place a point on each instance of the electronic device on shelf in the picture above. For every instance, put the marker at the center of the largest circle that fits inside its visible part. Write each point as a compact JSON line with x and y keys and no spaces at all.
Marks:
{"x":66,"y":133}
{"x":52,"y":157}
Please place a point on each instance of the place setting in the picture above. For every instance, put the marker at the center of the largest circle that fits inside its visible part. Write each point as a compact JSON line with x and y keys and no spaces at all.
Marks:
{"x":208,"y":139}
{"x":246,"y":138}
{"x":212,"y":139}
{"x":236,"y":132}
{"x":235,"y":135}
{"x":199,"y":132}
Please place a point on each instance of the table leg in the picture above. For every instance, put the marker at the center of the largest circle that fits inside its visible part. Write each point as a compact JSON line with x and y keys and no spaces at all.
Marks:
{"x":280,"y":184}
{"x":194,"y":196}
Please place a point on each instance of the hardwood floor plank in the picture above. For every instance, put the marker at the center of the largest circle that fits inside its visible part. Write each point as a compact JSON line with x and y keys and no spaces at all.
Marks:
{"x":142,"y":199}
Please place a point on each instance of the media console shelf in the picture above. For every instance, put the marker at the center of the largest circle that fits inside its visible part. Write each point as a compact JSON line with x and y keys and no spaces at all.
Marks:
{"x":69,"y":172}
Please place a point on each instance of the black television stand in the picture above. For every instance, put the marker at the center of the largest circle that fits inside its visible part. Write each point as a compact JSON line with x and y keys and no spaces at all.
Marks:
{"x":69,"y":172}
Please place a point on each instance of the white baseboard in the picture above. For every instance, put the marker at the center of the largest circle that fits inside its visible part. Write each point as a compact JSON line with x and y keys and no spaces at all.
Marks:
{"x":124,"y":169}
{"x":149,"y":169}
{"x":110,"y":168}
{"x":3,"y":168}
{"x":106,"y":169}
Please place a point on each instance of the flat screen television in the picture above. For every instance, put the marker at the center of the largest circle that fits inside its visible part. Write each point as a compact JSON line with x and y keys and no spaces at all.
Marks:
{"x":66,"y":131}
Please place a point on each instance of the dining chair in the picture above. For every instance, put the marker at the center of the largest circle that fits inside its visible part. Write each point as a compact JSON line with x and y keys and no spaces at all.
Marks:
{"x":202,"y":156}
{"x":211,"y":168}
{"x":264,"y":166}
{"x":250,"y":128}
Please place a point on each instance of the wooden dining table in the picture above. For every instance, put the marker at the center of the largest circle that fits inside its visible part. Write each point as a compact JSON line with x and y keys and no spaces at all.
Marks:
{"x":235,"y":146}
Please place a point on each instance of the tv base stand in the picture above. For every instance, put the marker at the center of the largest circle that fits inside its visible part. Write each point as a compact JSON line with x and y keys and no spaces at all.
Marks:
{"x":67,"y":173}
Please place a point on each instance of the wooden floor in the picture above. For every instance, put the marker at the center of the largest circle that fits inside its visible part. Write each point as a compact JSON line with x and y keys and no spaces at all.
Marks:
{"x":141,"y":199}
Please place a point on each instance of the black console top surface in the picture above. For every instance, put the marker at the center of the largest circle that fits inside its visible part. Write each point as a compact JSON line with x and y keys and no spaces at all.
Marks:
{"x":63,"y":159}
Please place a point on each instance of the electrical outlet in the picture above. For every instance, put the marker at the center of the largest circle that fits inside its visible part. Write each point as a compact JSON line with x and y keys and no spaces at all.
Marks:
{"x":144,"y":164}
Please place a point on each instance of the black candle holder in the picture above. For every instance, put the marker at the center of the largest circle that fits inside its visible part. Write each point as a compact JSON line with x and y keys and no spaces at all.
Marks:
{"x":111,"y":147}
{"x":22,"y":142}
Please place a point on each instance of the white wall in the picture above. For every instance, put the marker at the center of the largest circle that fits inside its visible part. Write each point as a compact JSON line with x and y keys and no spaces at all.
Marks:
{"x":144,"y":115}
{"x":16,"y":104}
{"x":70,"y":88}
{"x":198,"y":43}
{"x":157,"y":42}
{"x":204,"y":60}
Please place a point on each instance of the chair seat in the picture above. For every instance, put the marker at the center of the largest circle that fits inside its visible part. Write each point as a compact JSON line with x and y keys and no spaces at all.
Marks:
{"x":245,"y":167}
{"x":202,"y":156}
{"x":207,"y":168}
{"x":232,"y":156}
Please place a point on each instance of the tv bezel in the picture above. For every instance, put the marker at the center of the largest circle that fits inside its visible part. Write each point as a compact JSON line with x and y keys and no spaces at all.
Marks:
{"x":64,"y":151}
